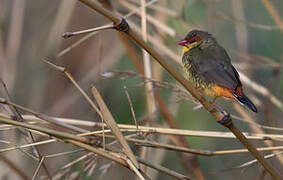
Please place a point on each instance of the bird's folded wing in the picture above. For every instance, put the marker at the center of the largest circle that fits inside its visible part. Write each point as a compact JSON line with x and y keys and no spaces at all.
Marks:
{"x":216,"y":68}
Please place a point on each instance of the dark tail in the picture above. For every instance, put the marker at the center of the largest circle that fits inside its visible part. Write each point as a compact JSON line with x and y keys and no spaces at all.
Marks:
{"x":243,"y":99}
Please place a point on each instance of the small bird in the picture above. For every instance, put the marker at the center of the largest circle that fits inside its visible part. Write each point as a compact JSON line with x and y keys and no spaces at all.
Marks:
{"x":208,"y":67}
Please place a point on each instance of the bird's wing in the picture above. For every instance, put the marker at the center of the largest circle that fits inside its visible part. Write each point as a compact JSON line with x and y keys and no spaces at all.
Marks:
{"x":214,"y":66}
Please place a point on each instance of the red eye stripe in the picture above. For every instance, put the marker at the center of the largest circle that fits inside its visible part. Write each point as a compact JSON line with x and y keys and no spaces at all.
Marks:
{"x":194,"y":39}
{"x":198,"y":38}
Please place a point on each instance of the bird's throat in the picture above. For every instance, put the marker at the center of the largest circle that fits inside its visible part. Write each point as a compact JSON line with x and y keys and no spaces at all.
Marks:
{"x":189,"y":47}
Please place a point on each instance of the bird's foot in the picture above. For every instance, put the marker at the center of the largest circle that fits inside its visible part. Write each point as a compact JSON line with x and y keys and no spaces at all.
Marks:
{"x":226,"y":120}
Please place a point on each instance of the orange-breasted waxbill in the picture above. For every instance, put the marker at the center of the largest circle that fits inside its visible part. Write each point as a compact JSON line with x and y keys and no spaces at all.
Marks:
{"x":208,"y":67}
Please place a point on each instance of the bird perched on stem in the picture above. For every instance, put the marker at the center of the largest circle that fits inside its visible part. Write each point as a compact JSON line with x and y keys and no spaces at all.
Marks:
{"x":208,"y":67}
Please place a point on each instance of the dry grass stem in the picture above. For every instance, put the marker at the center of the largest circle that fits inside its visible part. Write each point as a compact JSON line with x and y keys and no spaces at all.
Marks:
{"x":75,"y":44}
{"x":255,"y":129}
{"x":104,"y":114}
{"x":63,"y":153}
{"x":241,"y":21}
{"x":256,"y":124}
{"x":62,"y":69}
{"x":109,"y":120}
{"x":168,"y":131}
{"x":136,"y":171}
{"x":262,"y":90}
{"x":161,"y":26}
{"x":45,"y":130}
{"x":255,"y":161}
{"x":38,"y":168}
{"x":29,"y":137}
{"x":160,"y":9}
{"x":273,"y":12}
{"x":163,"y":169}
{"x":131,"y":106}
{"x":14,"y":167}
{"x":27,"y":145}
{"x":42,"y":116}
{"x":93,"y":31}
{"x":82,"y":92}
{"x":87,"y":31}
{"x":138,"y":9}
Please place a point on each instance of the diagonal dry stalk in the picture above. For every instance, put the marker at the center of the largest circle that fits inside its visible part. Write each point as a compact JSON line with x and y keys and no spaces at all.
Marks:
{"x":161,"y":9}
{"x":244,"y":78}
{"x":218,"y":115}
{"x":256,"y":129}
{"x":14,"y":167}
{"x":162,"y":106}
{"x":109,"y":120}
{"x":274,"y":14}
{"x":161,"y":26}
{"x":165,"y":112}
{"x":30,"y":137}
{"x":104,"y":113}
{"x":38,"y":168}
{"x":88,"y":145}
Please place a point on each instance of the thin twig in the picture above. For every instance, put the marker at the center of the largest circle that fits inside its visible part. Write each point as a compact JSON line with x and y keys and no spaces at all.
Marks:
{"x":274,"y":14}
{"x":256,"y":129}
{"x":42,"y":116}
{"x":136,"y":171}
{"x":131,"y":107}
{"x":45,"y":130}
{"x":163,"y":169}
{"x":30,"y":137}
{"x":161,"y":26}
{"x":38,"y":168}
{"x":109,"y":120}
{"x":100,"y":28}
{"x":72,"y":46}
{"x":254,"y":161}
{"x":14,"y":167}
{"x":169,"y":131}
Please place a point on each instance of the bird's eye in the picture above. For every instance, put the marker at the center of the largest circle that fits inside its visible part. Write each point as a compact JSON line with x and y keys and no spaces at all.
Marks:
{"x":192,"y":41}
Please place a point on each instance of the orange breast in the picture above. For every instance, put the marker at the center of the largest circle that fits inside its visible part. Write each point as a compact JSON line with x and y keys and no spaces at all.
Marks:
{"x":218,"y":91}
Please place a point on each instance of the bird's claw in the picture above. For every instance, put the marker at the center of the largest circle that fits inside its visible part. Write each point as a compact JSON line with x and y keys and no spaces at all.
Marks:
{"x":226,"y":120}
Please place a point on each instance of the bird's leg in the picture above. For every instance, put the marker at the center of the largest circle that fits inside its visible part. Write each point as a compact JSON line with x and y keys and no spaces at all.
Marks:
{"x":123,"y":26}
{"x":226,"y":120}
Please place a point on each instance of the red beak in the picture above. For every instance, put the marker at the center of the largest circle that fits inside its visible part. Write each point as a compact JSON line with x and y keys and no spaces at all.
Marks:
{"x":183,"y":42}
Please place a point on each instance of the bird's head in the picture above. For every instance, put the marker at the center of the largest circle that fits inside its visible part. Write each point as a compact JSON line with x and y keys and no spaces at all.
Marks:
{"x":196,"y":38}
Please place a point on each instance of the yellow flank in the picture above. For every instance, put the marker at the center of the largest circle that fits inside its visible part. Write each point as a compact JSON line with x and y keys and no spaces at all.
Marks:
{"x":197,"y":81}
{"x":207,"y":88}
